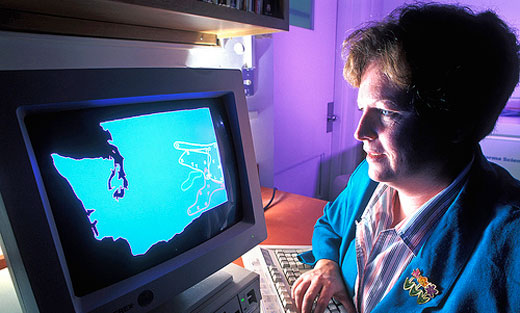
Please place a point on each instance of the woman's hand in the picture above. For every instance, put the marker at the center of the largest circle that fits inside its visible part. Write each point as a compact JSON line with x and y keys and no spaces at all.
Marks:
{"x":324,"y":282}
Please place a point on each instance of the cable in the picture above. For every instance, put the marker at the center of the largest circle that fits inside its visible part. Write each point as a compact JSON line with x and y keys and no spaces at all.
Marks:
{"x":270,"y":201}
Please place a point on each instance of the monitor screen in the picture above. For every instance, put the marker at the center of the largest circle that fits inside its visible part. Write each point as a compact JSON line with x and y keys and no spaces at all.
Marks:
{"x":142,"y":182}
{"x":137,"y":191}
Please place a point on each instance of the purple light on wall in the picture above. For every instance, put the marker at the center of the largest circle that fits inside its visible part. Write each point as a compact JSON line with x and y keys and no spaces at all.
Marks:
{"x":303,"y":85}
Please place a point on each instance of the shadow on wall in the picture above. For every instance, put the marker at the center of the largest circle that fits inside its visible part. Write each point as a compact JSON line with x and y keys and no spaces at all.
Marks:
{"x":339,"y":182}
{"x":310,"y":177}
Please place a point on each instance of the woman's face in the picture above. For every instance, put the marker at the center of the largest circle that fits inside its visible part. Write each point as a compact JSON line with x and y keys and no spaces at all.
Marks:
{"x":401,"y":151}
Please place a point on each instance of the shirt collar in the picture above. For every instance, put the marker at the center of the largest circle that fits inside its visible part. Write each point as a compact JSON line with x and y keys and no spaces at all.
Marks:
{"x":415,"y":229}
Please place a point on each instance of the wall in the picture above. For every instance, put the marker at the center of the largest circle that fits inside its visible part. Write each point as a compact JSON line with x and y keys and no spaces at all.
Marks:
{"x":262,"y":109}
{"x":38,"y":51}
{"x":303,"y":62}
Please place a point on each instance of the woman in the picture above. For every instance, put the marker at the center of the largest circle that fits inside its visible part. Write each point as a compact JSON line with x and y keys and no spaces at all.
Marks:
{"x":425,"y":221}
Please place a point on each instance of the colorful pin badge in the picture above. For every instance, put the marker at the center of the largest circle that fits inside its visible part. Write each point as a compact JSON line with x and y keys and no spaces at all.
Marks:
{"x":419,"y":286}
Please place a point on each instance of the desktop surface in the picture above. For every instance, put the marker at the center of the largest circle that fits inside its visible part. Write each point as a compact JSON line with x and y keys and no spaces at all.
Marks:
{"x":290,"y":219}
{"x":3,"y":263}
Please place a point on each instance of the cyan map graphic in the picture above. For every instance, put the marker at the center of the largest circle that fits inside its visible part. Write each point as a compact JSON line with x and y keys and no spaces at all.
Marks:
{"x":164,"y":172}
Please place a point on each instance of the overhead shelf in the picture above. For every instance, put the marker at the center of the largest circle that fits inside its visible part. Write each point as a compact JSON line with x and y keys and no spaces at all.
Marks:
{"x":179,"y":21}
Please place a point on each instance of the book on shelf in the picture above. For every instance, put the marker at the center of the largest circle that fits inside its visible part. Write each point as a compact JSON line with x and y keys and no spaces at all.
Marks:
{"x":264,"y":7}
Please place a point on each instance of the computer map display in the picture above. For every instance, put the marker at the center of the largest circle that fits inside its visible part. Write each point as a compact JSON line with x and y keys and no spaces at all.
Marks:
{"x":163,"y":173}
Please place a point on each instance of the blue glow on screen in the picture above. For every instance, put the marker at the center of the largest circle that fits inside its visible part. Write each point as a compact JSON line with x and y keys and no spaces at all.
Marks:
{"x":164,"y":172}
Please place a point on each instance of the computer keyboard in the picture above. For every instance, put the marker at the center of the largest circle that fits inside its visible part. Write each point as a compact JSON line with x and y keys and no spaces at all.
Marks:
{"x":279,"y":267}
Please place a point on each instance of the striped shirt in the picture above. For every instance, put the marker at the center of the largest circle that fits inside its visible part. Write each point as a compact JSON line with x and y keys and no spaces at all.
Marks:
{"x":383,"y":252}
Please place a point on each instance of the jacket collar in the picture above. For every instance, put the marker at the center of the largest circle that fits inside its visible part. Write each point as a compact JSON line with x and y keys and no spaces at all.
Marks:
{"x":451,"y":243}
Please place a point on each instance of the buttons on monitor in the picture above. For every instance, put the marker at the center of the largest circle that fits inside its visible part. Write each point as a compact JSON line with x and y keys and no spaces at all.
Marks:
{"x":145,"y":298}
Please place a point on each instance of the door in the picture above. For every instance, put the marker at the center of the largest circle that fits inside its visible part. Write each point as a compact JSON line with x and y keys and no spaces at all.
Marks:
{"x":303,"y":85}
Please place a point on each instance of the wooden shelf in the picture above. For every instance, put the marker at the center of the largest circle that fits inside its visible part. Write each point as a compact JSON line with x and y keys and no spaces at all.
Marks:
{"x":182,"y":21}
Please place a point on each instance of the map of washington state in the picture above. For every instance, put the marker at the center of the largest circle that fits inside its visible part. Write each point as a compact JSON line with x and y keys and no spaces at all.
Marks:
{"x":164,"y":172}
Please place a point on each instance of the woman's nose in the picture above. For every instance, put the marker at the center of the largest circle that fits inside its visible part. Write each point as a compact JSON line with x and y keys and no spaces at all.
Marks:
{"x":366,"y":128}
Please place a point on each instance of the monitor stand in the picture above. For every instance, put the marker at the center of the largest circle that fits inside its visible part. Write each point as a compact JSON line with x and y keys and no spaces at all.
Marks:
{"x":232,"y":289}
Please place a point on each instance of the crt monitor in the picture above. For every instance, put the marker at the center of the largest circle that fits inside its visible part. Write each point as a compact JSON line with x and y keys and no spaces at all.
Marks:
{"x":123,"y":187}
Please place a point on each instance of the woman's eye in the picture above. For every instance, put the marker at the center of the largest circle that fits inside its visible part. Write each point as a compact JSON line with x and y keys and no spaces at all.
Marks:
{"x":386,"y":112}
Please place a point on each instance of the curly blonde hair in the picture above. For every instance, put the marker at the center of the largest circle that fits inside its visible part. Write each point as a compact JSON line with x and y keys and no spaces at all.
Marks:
{"x":459,"y":68}
{"x":370,"y":44}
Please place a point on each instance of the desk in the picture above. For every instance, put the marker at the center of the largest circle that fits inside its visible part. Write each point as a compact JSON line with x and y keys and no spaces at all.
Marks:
{"x":290,"y":219}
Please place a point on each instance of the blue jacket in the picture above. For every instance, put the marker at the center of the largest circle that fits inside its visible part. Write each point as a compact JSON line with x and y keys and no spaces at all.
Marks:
{"x":472,"y":255}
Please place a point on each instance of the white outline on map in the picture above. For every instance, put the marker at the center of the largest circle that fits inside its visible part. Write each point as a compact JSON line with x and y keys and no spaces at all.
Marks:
{"x":187,"y":148}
